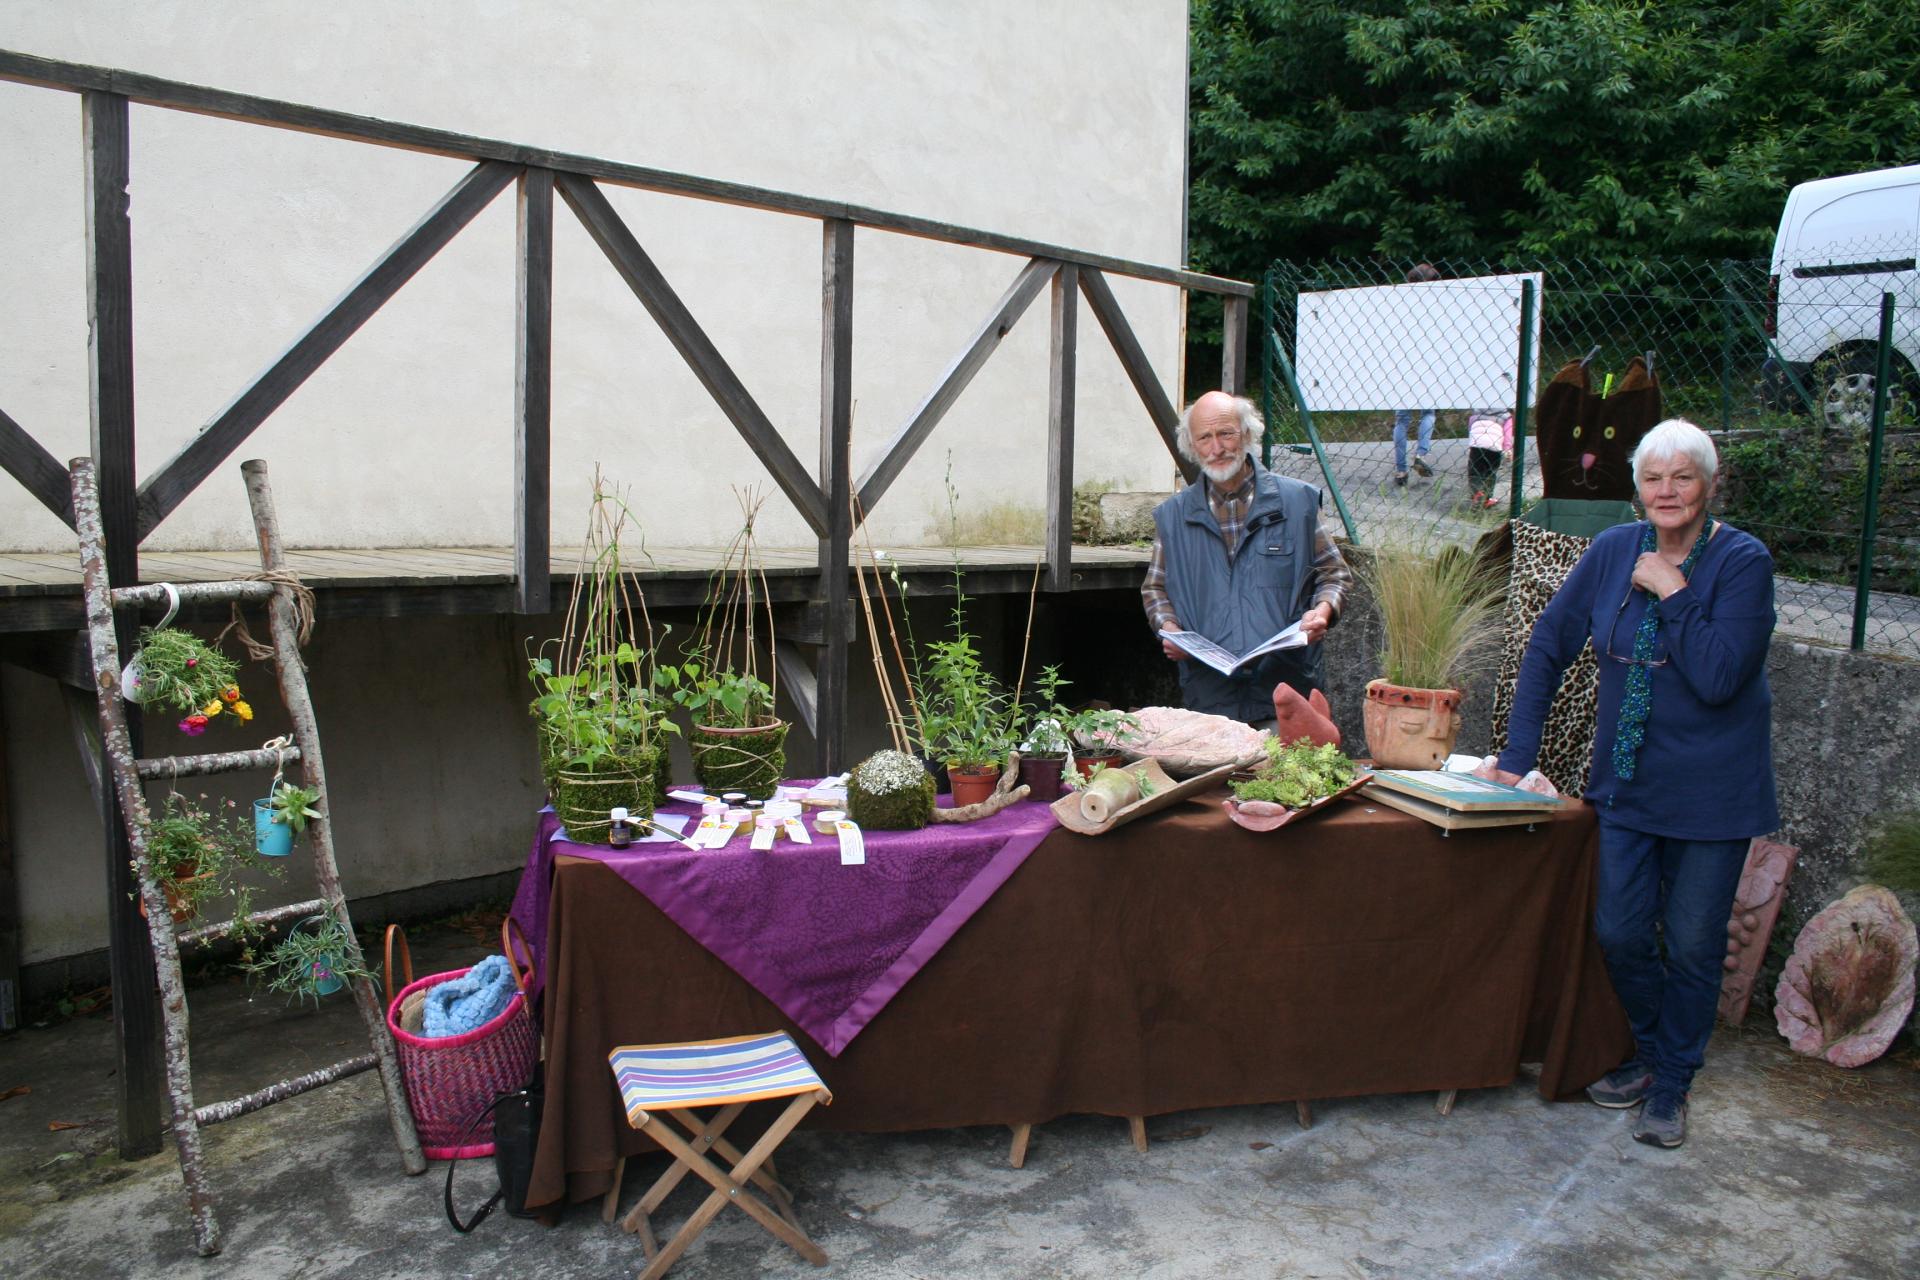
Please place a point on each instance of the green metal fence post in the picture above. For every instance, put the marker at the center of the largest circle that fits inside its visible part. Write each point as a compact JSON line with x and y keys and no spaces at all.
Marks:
{"x":1726,"y":344}
{"x":1870,"y":517}
{"x":1313,"y":434}
{"x":1522,"y":401}
{"x":1266,"y":368}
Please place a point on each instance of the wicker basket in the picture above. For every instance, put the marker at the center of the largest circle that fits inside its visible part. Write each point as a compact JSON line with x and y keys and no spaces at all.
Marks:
{"x":451,"y":1080}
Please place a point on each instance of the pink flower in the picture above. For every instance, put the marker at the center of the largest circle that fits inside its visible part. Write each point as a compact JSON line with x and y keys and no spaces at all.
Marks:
{"x":193,"y":662}
{"x":193,"y":726}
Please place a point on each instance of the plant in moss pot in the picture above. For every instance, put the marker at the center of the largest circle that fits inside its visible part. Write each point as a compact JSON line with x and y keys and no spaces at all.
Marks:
{"x":736,"y":740}
{"x":601,"y":733}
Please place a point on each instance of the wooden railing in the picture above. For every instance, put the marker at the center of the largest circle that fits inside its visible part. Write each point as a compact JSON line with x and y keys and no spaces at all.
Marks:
{"x":825,"y":497}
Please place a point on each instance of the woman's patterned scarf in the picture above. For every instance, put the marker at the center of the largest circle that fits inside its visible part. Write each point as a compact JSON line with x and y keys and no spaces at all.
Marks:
{"x":1636,"y":704}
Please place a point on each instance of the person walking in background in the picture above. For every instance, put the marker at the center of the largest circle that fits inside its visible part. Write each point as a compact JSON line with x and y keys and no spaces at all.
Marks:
{"x":1489,"y":439}
{"x":1401,"y":417}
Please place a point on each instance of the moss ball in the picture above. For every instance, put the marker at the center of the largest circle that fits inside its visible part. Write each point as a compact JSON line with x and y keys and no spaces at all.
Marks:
{"x":890,"y":791}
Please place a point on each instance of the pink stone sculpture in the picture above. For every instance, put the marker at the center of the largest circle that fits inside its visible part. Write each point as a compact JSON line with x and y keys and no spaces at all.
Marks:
{"x":1848,"y":986}
{"x":1756,"y":906}
{"x":1295,"y":717}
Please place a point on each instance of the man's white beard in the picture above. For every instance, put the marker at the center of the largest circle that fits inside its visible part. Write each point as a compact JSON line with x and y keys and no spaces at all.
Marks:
{"x":1225,"y":471}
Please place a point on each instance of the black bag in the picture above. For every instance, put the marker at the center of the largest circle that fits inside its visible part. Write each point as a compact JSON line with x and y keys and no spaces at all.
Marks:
{"x":516,"y":1133}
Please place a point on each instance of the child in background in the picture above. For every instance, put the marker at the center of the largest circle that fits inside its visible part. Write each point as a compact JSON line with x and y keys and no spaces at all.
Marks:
{"x":1489,"y":438}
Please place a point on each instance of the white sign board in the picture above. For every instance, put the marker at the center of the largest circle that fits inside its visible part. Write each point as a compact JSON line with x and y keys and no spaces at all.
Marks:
{"x":1439,"y":344}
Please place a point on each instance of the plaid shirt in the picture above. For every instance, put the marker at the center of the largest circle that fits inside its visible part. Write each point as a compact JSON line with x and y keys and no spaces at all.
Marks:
{"x":1331,"y":576}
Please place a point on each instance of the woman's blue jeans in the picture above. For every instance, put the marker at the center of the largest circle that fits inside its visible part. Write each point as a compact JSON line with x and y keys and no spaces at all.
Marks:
{"x":1650,"y":886}
{"x":1401,"y":418}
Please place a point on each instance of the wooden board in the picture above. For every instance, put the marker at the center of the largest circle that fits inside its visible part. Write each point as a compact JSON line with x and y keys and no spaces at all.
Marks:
{"x":1474,"y":795}
{"x":1448,"y":819}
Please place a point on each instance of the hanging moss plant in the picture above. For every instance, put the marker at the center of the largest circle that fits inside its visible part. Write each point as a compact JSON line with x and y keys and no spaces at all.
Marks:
{"x":890,"y":791}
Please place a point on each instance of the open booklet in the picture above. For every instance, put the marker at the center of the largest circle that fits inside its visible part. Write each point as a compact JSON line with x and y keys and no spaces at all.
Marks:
{"x":1225,"y":661}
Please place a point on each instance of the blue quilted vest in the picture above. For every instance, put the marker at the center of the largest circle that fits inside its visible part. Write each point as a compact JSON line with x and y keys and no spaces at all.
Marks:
{"x":1237,"y":603}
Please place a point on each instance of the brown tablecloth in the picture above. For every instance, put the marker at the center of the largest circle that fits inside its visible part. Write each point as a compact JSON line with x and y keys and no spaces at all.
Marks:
{"x":1175,"y":963}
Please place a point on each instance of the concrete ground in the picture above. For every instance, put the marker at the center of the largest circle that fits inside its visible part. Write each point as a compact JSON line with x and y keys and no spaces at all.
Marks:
{"x":1793,"y":1169}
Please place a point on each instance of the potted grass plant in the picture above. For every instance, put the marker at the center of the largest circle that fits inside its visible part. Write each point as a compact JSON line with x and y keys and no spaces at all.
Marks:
{"x":1440,"y":613}
{"x":601,"y":734}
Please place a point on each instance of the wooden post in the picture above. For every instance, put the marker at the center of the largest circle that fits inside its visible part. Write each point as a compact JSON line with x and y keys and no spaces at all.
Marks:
{"x":9,"y":900}
{"x":533,"y":397}
{"x":1233,"y":345}
{"x":1062,"y":356}
{"x":109,"y":241}
{"x":836,"y":446}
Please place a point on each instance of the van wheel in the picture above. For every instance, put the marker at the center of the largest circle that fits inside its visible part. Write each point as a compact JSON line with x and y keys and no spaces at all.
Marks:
{"x":1846,"y":392}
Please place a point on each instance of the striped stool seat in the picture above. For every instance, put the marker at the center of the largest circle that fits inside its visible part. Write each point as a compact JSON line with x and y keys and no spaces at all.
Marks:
{"x":710,"y":1073}
{"x":660,"y":1081}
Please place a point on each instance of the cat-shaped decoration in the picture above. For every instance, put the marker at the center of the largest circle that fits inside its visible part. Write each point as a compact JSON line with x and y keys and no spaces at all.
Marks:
{"x":1585,"y":441}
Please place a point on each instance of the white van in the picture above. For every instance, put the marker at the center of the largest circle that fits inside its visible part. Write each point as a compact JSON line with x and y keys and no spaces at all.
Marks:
{"x":1842,"y":243}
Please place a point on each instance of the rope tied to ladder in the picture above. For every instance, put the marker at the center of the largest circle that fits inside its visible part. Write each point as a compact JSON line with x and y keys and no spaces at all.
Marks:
{"x":302,"y":614}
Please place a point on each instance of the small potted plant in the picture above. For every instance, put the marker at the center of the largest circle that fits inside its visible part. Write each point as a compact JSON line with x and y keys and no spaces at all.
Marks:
{"x":318,"y":957}
{"x":736,"y":741}
{"x":968,"y":722}
{"x":193,"y":849}
{"x":1098,"y":733}
{"x":282,"y":817}
{"x":178,"y":669}
{"x":1439,"y":612}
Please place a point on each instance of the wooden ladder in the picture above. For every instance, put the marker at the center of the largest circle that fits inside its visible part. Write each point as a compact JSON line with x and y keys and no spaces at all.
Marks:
{"x":128,"y":776}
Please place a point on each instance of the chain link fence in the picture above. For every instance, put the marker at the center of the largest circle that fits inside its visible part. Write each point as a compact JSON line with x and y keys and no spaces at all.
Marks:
{"x":1393,"y":384}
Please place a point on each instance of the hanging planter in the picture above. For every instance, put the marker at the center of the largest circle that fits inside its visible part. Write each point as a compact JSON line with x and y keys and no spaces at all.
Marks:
{"x":178,"y":669}
{"x":749,"y":760}
{"x":318,"y":957}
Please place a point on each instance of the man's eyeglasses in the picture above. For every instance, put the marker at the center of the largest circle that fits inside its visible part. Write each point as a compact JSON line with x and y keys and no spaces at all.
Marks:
{"x":1628,"y":658}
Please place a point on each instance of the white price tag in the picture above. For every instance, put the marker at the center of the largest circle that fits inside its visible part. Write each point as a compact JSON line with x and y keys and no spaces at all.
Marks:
{"x":853,"y":846}
{"x":691,"y":797}
{"x":712,"y":833}
{"x":796,"y":831}
{"x":762,"y":838}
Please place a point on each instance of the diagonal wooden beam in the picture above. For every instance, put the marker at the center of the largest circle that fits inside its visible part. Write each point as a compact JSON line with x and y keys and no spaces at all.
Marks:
{"x":27,"y":460}
{"x":590,"y":205}
{"x":1133,"y":358}
{"x":168,"y":487}
{"x":985,"y":340}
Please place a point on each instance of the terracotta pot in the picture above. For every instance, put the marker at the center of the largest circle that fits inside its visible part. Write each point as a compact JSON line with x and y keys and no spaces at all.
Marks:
{"x":972,"y":783}
{"x":178,"y":905}
{"x":1411,"y":728}
{"x":1086,"y":761}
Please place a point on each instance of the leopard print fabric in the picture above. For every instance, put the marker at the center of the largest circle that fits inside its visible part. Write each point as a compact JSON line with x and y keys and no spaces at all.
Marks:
{"x":1541,"y":562}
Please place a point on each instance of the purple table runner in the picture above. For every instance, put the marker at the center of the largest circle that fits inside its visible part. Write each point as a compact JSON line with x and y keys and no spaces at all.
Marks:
{"x":828,"y":944}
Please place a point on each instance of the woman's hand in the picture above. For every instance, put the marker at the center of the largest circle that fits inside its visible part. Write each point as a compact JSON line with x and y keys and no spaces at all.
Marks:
{"x":1488,"y":771}
{"x":1651,"y":573}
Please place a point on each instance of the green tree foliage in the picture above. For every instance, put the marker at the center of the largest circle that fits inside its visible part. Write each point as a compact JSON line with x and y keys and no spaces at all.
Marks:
{"x":1479,"y":128}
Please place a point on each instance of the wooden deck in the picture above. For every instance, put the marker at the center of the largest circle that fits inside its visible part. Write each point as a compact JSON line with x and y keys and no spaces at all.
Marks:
{"x":40,"y":591}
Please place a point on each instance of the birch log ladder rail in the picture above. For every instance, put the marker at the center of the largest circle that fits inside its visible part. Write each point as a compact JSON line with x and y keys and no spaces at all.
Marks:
{"x":128,"y":775}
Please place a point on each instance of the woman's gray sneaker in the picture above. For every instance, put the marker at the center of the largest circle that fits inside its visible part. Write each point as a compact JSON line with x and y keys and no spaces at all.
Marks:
{"x":1621,"y":1087}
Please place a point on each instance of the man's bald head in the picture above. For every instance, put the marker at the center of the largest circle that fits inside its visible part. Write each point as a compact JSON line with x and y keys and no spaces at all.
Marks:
{"x":1218,"y":431}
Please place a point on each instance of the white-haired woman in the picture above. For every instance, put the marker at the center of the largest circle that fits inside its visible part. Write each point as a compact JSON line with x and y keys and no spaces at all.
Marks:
{"x":1679,"y":609}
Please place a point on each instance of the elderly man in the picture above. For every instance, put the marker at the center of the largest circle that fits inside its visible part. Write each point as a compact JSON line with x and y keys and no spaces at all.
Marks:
{"x":1239,"y":555}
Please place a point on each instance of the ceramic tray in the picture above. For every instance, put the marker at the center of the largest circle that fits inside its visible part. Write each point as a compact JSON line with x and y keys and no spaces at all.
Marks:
{"x":1165,"y":792}
{"x":1273,"y":822}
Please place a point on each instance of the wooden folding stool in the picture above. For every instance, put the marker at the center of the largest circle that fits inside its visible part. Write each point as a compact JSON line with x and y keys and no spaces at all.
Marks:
{"x":659,"y":1080}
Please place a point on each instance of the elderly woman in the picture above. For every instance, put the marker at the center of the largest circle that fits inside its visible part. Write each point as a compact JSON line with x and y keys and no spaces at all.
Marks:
{"x":1679,"y":610}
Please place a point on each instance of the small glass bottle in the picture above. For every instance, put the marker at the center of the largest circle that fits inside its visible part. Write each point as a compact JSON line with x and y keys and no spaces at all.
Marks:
{"x":620,"y":832}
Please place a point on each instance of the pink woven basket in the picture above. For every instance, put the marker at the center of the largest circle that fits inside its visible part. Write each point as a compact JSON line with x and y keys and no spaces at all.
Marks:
{"x":451,"y":1079}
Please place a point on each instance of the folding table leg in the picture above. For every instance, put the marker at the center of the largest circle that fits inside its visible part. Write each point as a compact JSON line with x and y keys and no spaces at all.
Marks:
{"x":1303,"y":1112}
{"x":732,"y":1187}
{"x":1445,"y":1105}
{"x":1017,"y":1157}
{"x":1137,"y":1126}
